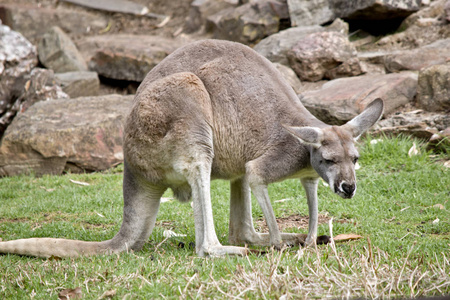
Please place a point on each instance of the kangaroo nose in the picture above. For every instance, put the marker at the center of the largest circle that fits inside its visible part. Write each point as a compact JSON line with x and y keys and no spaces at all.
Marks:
{"x":349,"y":189}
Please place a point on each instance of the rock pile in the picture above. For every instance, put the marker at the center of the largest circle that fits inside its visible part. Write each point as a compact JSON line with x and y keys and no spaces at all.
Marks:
{"x":57,"y":63}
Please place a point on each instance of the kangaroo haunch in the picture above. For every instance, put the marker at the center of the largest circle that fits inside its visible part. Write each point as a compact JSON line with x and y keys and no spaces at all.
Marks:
{"x":217,"y":109}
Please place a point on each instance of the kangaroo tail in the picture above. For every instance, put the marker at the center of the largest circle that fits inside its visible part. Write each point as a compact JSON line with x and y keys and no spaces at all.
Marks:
{"x":139,"y":217}
{"x":47,"y":247}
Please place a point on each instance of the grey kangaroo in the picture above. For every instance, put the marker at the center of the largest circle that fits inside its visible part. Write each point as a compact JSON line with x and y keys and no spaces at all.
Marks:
{"x":219,"y":110}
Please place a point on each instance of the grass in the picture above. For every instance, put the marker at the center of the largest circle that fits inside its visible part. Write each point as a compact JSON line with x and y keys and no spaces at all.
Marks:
{"x":401,"y":209}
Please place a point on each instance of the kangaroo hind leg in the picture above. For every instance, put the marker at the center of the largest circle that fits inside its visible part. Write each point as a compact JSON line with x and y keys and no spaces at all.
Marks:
{"x":141,"y":205}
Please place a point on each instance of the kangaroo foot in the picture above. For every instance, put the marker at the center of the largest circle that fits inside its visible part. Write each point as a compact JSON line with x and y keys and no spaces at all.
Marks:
{"x":224,"y":250}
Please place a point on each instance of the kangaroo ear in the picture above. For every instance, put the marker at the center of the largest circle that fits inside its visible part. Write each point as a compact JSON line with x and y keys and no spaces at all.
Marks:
{"x":362,"y":122}
{"x":312,"y":136}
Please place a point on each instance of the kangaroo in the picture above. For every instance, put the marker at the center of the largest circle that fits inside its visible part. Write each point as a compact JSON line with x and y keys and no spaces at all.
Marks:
{"x":219,"y":110}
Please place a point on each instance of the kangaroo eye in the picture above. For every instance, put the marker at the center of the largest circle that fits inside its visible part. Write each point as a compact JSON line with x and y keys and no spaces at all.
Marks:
{"x":329,"y":161}
{"x":355,"y":160}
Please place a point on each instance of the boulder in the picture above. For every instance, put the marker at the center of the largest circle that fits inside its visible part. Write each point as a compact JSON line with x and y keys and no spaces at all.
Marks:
{"x":17,"y":58}
{"x":324,"y":55}
{"x":275,"y":46}
{"x":417,"y":123}
{"x":419,"y":29}
{"x":79,"y":84}
{"x":77,"y":135}
{"x":312,"y":12}
{"x":374,"y":9}
{"x":342,"y":99}
{"x":432,"y":13}
{"x":57,"y":52}
{"x":447,"y":11}
{"x":33,"y":21}
{"x":199,"y":12}
{"x":290,"y":76}
{"x":248,"y":23}
{"x":317,"y":12}
{"x":417,"y":59}
{"x":38,"y":85}
{"x":126,"y":56}
{"x":433,"y":92}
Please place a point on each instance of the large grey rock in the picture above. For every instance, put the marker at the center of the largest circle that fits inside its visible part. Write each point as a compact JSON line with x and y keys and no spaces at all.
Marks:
{"x":199,"y":12}
{"x":275,"y":46}
{"x":39,"y":85}
{"x":83,"y":134}
{"x":248,"y":23}
{"x":342,"y":99}
{"x":447,"y":10}
{"x":418,"y":123}
{"x":79,"y":84}
{"x":374,"y":9}
{"x":316,"y":12}
{"x":17,"y":58}
{"x":126,"y":56}
{"x":419,"y":29}
{"x":417,"y":59}
{"x":324,"y":55}
{"x":433,"y":93}
{"x":432,"y":13}
{"x":57,"y":52}
{"x":311,"y":12}
{"x":33,"y":21}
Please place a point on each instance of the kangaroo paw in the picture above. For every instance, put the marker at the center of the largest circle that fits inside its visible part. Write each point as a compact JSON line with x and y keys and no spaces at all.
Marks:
{"x":224,"y":250}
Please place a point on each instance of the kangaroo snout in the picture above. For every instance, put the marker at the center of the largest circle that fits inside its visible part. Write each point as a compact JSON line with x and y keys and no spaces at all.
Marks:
{"x":345,"y":190}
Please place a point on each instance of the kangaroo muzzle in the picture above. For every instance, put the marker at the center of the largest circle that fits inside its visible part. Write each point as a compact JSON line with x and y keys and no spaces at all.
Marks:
{"x":345,"y":190}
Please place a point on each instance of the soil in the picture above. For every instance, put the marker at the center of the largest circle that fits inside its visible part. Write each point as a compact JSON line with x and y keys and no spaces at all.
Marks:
{"x":293,"y":221}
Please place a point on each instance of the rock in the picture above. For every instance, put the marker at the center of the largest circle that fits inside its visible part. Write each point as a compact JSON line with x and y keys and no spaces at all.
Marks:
{"x":317,"y":12}
{"x":324,"y":55}
{"x":79,"y":84}
{"x":342,"y":99}
{"x":417,"y":59}
{"x":417,"y":123}
{"x":82,"y":134}
{"x":57,"y":52}
{"x":338,"y":25}
{"x":39,"y":85}
{"x":290,"y":76}
{"x":447,"y":10}
{"x":421,"y":28}
{"x":17,"y":58}
{"x":248,"y":23}
{"x":275,"y":46}
{"x":126,"y":56}
{"x":433,"y":93}
{"x":435,"y":11}
{"x":200,"y":11}
{"x":374,"y":10}
{"x":34,"y":21}
{"x":307,"y":13}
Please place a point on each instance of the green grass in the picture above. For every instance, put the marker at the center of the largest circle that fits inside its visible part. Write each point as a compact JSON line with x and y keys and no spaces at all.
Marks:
{"x":404,"y":251}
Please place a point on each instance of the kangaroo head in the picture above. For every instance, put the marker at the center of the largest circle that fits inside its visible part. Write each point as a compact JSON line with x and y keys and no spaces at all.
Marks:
{"x":333,"y":154}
